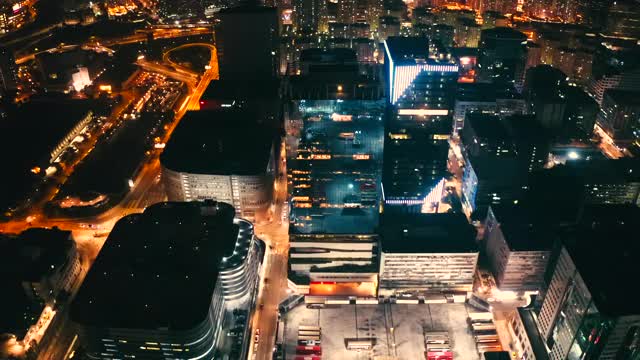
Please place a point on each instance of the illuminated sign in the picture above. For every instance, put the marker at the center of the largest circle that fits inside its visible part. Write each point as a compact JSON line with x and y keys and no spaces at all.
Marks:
{"x":399,"y":136}
{"x":423,"y":112}
{"x":339,"y":117}
{"x":320,"y":157}
{"x":16,"y":7}
{"x":286,"y":17}
{"x":441,"y":137}
{"x":347,"y":135}
{"x":361,"y":156}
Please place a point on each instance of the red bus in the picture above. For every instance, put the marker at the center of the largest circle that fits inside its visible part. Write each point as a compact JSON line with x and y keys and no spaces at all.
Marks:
{"x":307,"y":358}
{"x":440,"y":355}
{"x":308,"y":350}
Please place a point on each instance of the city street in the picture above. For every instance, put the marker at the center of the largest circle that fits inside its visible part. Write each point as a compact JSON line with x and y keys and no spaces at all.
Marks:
{"x":274,"y":280}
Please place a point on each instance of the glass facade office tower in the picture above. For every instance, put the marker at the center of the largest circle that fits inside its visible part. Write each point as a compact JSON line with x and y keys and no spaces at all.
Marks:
{"x":334,"y":161}
{"x":422,"y":80}
{"x":586,"y":312}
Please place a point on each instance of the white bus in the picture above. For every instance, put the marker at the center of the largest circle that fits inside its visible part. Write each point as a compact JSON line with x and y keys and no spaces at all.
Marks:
{"x":308,"y":327}
{"x":360,"y":344}
{"x":486,"y":338}
{"x":438,"y":347}
{"x":480,"y":327}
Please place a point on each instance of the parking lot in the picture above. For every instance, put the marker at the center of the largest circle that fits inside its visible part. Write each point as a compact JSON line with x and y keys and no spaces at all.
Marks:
{"x":397,"y":329}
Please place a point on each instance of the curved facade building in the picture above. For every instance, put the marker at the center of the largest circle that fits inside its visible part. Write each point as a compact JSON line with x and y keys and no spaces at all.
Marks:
{"x":237,"y":274}
{"x":163,"y":281}
{"x":212,"y":155}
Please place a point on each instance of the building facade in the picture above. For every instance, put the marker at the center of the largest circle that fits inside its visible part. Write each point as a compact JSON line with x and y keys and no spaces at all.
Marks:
{"x":619,"y":116}
{"x":518,"y":255}
{"x":426,"y":253}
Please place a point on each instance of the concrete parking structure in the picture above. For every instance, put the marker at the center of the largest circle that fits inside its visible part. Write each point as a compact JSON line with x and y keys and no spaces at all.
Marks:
{"x":396,"y":329}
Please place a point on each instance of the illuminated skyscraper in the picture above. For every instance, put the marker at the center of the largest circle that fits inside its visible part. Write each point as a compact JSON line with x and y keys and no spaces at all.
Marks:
{"x":422,"y":86}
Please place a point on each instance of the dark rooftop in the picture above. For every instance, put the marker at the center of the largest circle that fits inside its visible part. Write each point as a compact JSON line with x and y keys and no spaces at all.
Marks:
{"x":504,"y":33}
{"x":607,"y":171}
{"x":235,"y":90}
{"x":523,"y":228}
{"x":407,"y":48}
{"x":623,"y":97}
{"x":249,"y":8}
{"x":497,"y":355}
{"x":326,"y":55}
{"x":219,"y":142}
{"x":34,"y":253}
{"x":485,"y":92}
{"x":158,"y":269}
{"x":487,"y":126}
{"x":29,"y":134}
{"x":30,"y":256}
{"x":426,"y":233}
{"x":606,"y":255}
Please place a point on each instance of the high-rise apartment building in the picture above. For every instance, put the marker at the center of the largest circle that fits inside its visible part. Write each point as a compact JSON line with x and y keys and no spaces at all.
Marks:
{"x":310,"y":16}
{"x":502,"y":56}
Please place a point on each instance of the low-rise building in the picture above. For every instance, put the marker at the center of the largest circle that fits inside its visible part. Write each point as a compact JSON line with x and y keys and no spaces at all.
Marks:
{"x":40,"y":269}
{"x":426,"y":253}
{"x":334,"y":264}
{"x":46,"y":261}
